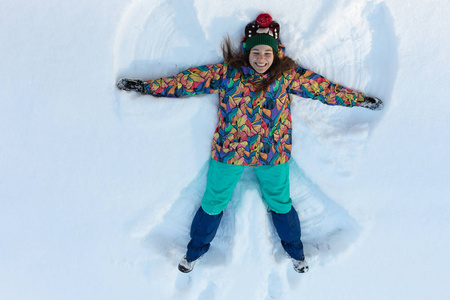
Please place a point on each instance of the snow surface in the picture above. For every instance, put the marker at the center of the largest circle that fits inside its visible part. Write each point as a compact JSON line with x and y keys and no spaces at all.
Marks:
{"x":98,"y":186}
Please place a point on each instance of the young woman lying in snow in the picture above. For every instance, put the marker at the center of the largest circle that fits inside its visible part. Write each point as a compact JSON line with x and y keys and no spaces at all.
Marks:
{"x":254,"y":129}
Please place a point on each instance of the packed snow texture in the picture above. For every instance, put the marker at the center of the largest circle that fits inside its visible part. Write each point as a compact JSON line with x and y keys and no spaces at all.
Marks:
{"x":99,"y":186}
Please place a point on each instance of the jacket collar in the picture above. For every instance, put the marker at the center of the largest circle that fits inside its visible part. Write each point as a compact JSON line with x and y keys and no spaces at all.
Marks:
{"x":250,"y":73}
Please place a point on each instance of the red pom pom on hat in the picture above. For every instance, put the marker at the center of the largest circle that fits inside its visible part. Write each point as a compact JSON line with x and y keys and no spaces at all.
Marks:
{"x":264,"y":20}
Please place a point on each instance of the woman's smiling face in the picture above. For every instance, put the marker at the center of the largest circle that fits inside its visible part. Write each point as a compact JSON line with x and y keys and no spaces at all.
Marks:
{"x":261,"y":58}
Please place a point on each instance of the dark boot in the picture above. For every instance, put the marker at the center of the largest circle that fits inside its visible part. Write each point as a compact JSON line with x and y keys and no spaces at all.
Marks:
{"x":300,"y":266}
{"x":186,"y":265}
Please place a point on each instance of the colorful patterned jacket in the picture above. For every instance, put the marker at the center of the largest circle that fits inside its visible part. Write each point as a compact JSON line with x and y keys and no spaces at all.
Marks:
{"x":255,"y":128}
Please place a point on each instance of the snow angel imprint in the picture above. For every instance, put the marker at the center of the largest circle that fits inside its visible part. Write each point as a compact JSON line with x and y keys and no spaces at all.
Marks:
{"x":254,"y":84}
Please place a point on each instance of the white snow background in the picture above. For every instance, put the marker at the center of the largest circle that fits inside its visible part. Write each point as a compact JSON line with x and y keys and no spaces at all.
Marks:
{"x":98,"y":186}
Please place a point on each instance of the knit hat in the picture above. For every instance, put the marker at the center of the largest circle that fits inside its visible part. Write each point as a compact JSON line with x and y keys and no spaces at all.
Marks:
{"x":263,"y":31}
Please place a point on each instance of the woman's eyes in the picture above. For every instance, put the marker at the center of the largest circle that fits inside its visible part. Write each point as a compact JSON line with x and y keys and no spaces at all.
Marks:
{"x":265,"y":54}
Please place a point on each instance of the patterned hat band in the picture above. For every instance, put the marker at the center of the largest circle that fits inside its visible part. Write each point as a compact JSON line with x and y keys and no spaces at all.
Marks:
{"x":261,"y":39}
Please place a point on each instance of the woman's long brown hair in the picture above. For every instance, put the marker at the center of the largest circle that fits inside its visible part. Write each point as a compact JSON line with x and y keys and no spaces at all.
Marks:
{"x":237,"y":59}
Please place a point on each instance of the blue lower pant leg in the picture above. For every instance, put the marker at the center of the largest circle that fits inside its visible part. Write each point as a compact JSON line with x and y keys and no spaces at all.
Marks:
{"x":288,"y":228}
{"x":203,"y":230}
{"x":222,"y":178}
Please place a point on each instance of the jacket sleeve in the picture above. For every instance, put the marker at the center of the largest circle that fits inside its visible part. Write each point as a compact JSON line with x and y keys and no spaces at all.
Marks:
{"x":308,"y":84}
{"x":194,"y":81}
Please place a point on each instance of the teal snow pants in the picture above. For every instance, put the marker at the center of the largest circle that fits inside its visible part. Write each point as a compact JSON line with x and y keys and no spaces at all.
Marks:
{"x":222,"y":179}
